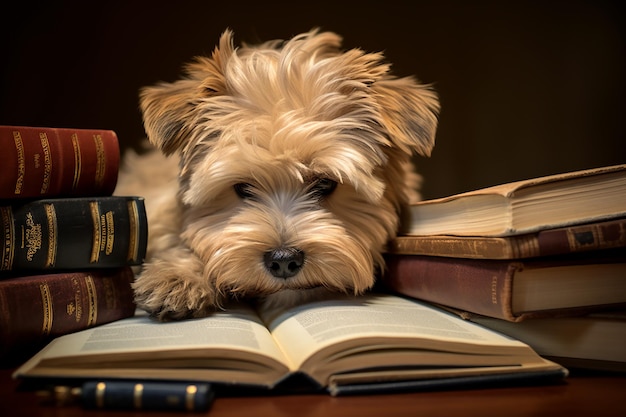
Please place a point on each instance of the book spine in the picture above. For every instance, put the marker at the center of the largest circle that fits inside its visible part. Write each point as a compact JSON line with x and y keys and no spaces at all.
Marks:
{"x":40,"y":162}
{"x":73,"y":233}
{"x":457,"y":247}
{"x":597,"y":236}
{"x":560,"y":241}
{"x":36,"y":308}
{"x":481,"y":287}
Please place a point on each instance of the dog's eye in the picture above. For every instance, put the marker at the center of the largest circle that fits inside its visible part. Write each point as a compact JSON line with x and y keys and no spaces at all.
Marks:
{"x":244,"y":190}
{"x":323,"y":187}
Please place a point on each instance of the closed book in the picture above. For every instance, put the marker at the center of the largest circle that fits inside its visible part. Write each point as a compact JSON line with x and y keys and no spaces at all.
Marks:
{"x":512,"y":290}
{"x":36,"y":308}
{"x":41,"y":162}
{"x":595,"y":341}
{"x":73,"y":233}
{"x":559,"y":241}
{"x":524,"y":206}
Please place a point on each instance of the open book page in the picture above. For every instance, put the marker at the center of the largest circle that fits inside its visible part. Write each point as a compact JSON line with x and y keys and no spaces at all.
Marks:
{"x":375,"y":331}
{"x":230,"y":345}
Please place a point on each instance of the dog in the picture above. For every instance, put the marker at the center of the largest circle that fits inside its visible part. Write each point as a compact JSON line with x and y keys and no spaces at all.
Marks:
{"x":280,"y":172}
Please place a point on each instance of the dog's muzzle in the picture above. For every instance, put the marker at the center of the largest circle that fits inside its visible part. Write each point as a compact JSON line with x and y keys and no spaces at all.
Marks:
{"x":284,"y":262}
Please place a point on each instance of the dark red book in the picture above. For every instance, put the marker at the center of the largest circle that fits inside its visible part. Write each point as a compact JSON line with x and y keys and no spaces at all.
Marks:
{"x":38,"y":162}
{"x":36,"y":308}
{"x":513,"y":290}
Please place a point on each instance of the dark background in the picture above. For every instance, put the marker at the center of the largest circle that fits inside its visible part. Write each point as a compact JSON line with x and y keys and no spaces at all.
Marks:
{"x":528,"y":88}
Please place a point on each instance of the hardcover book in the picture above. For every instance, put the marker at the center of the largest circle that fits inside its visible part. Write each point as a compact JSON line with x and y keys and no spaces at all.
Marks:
{"x":513,"y":290}
{"x":595,"y":341}
{"x":525,"y":206}
{"x":559,"y":241}
{"x":343,"y":345}
{"x":36,"y":308}
{"x":40,"y":162}
{"x":73,"y":233}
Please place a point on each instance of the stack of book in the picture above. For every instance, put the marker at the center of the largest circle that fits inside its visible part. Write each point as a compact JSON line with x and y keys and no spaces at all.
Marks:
{"x":68,"y":244}
{"x":541,"y":260}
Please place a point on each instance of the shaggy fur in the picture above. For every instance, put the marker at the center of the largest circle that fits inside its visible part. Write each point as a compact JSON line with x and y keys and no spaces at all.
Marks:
{"x":290,"y":164}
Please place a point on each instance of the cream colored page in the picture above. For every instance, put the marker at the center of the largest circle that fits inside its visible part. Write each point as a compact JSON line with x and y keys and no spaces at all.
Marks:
{"x":302,"y":331}
{"x":238,"y":328}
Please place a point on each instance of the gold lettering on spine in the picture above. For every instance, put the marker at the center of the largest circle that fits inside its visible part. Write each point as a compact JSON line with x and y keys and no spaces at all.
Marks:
{"x":21,"y":162}
{"x":8,"y":233}
{"x":47,"y":162}
{"x":77,"y":161}
{"x":494,"y":289}
{"x":95,"y":218}
{"x":100,"y":161}
{"x":52,"y":235}
{"x":92,"y":301}
{"x":31,"y":237}
{"x":46,"y":303}
{"x":110,"y":232}
{"x":133,"y":233}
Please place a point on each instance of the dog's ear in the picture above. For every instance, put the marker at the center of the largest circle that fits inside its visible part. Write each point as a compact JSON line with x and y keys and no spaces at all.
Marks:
{"x":169,"y":109}
{"x":410,"y":113}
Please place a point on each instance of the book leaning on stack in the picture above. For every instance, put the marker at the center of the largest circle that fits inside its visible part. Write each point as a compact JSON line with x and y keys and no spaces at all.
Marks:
{"x":68,"y":244}
{"x":542,"y":260}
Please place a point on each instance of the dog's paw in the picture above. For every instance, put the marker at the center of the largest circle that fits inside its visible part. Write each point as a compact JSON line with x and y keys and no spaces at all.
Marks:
{"x":175,"y":290}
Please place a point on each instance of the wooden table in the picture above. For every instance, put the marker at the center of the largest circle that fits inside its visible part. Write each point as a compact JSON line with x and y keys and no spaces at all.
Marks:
{"x":594,"y":395}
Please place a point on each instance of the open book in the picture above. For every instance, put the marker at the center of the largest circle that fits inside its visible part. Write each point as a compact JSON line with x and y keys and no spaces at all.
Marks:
{"x":525,"y":206}
{"x":370,"y":343}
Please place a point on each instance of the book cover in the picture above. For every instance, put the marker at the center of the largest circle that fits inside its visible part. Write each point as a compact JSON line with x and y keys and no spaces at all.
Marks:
{"x":512,"y":290}
{"x":559,"y":241}
{"x":74,"y":233}
{"x":524,"y":206}
{"x":36,"y":308}
{"x":40,"y":162}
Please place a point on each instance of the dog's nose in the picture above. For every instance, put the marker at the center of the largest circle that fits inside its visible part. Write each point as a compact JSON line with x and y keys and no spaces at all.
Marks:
{"x":284,"y":262}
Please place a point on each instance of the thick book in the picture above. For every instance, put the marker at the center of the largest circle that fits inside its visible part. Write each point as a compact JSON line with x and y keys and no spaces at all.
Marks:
{"x":512,"y":290}
{"x":36,"y":308}
{"x":524,"y":206}
{"x":342,"y":344}
{"x":558,"y":241}
{"x":595,"y":341}
{"x":73,"y":233}
{"x":41,"y":162}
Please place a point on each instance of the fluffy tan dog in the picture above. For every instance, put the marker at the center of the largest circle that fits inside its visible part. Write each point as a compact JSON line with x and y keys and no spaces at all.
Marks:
{"x":293,"y":167}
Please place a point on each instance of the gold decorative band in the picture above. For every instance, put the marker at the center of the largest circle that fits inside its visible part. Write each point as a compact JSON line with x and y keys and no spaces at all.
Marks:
{"x":190,"y":397}
{"x":92,"y":301}
{"x":133,"y":233}
{"x":51,"y":215}
{"x":100,"y":391}
{"x":8,"y":234}
{"x":97,"y":239}
{"x":21,"y":161}
{"x":77,"y":161}
{"x":47,"y":163}
{"x":100,"y":160}
{"x":48,"y":314}
{"x":137,"y":396}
